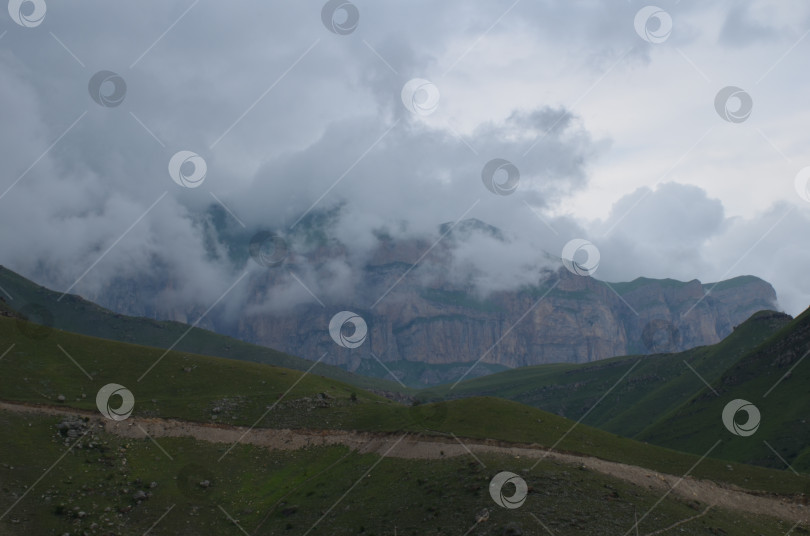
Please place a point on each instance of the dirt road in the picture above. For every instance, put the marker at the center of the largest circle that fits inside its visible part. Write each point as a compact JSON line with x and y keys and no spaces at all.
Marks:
{"x":414,"y":446}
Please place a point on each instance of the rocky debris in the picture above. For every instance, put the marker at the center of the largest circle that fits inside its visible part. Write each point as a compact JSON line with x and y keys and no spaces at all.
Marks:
{"x":72,"y":427}
{"x":309,"y":403}
{"x":226,"y":408}
{"x":402,"y":398}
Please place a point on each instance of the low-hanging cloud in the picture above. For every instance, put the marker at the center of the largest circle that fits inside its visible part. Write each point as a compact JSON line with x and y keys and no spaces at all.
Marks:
{"x":313,"y":123}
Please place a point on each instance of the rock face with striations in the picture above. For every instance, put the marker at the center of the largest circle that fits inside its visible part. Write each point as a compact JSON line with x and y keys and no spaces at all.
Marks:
{"x":566,"y":319}
{"x":418,"y":314}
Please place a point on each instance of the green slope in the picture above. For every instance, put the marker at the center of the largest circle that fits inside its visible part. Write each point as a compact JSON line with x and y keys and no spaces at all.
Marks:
{"x":75,"y":314}
{"x":91,"y":491}
{"x":210,"y":389}
{"x":775,"y":377}
{"x":654,"y":385}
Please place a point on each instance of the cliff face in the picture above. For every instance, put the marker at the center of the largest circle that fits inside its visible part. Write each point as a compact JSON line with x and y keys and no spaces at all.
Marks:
{"x":569,"y":318}
{"x":428,"y":317}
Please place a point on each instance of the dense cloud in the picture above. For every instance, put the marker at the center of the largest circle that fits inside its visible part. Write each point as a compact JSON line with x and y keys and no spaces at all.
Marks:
{"x":292,"y":120}
{"x":743,"y":28}
{"x":677,"y":231}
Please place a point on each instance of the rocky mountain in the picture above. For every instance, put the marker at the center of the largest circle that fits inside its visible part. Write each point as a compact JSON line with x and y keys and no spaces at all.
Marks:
{"x":427,"y":322}
{"x":568,"y":318}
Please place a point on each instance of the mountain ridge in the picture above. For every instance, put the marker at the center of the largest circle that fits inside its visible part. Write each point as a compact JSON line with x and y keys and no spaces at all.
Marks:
{"x":423,"y":335}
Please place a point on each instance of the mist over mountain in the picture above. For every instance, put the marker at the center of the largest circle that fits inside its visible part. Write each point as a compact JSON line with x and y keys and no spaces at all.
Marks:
{"x":435,"y":306}
{"x":655,"y":188}
{"x":369,"y":268}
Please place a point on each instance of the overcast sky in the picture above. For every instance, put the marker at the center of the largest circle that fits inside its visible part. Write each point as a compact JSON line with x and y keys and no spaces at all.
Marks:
{"x":611,"y":117}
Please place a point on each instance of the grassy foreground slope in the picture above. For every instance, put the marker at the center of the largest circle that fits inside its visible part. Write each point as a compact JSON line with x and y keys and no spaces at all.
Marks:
{"x":654,"y":385}
{"x":111,"y":485}
{"x":208,"y":389}
{"x":75,"y":314}
{"x":775,"y":377}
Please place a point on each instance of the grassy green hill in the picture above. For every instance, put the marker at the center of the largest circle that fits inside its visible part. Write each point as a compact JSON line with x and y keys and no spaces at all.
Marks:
{"x":192,"y":387}
{"x":75,"y":314}
{"x":275,"y":492}
{"x":655,"y":385}
{"x":92,"y":491}
{"x":775,"y":377}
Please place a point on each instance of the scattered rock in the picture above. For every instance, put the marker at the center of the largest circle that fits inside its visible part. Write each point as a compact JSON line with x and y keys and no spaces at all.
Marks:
{"x":60,"y":398}
{"x":72,"y":427}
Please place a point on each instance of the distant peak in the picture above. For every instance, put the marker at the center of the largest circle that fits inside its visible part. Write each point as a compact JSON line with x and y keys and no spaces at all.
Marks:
{"x":469,"y":226}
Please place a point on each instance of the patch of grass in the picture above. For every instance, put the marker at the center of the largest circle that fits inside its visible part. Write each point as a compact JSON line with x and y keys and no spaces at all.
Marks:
{"x":655,"y":385}
{"x":75,"y":314}
{"x":630,"y":286}
{"x":774,"y":377}
{"x":412,"y":373}
{"x":323,"y":490}
{"x":191,"y":387}
{"x":460,"y":299}
{"x":734,"y":282}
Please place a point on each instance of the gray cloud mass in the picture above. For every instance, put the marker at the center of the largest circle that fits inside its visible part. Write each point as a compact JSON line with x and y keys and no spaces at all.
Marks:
{"x":292,"y":120}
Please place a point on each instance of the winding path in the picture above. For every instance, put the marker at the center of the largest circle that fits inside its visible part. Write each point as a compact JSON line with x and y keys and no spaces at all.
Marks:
{"x":433,"y":447}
